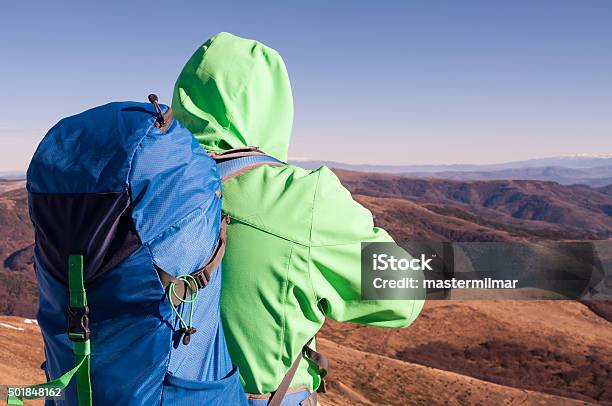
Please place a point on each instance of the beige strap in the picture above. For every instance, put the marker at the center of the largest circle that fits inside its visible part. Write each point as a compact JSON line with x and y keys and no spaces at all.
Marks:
{"x":322,"y":362}
{"x":236,"y":153}
{"x":311,"y":400}
{"x":249,"y":168}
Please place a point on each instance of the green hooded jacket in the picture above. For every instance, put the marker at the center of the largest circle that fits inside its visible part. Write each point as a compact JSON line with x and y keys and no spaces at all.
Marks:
{"x":293,"y":253}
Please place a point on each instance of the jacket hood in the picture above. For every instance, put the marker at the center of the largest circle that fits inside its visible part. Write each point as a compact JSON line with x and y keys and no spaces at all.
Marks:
{"x":235,"y":92}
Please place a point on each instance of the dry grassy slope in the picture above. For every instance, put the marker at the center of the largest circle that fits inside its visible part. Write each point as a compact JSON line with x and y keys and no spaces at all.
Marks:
{"x":21,"y":353}
{"x":371,"y":377}
{"x":556,"y":347}
{"x":361,"y":378}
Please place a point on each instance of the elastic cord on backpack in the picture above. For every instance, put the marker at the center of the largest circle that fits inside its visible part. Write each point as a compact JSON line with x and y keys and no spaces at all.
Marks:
{"x":188,"y":328}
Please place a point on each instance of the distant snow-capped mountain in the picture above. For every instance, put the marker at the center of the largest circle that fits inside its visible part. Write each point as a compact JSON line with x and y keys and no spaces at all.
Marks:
{"x":587,"y":155}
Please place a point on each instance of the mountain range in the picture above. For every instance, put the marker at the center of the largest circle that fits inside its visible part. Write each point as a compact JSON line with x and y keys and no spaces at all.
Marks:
{"x":504,"y":210}
{"x":409,"y":208}
{"x":592,"y":170}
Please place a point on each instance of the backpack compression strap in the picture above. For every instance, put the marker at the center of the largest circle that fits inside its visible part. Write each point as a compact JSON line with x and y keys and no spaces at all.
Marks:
{"x":200,"y":277}
{"x":78,"y":332}
{"x":78,"y":327}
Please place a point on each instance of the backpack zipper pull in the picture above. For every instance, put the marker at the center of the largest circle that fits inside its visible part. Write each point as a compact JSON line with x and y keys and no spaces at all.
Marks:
{"x":160,"y":117}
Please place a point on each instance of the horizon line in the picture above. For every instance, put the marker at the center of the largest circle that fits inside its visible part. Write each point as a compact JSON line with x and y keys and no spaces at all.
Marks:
{"x":5,"y":172}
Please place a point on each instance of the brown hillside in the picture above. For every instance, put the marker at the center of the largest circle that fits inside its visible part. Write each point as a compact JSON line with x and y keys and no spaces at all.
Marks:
{"x":555,"y":347}
{"x":540,"y":209}
{"x":368,"y":379}
{"x":17,"y":281}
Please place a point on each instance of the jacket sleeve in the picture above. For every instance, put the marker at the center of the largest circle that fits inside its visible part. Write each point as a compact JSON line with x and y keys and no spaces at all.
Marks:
{"x":339,"y":226}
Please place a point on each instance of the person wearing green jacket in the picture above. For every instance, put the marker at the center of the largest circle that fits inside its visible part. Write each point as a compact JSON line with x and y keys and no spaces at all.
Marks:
{"x":294,"y":239}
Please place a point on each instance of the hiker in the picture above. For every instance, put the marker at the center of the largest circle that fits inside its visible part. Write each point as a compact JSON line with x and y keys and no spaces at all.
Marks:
{"x":294,"y":237}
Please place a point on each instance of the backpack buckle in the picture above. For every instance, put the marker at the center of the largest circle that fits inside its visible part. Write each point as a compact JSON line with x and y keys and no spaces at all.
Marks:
{"x":78,"y":324}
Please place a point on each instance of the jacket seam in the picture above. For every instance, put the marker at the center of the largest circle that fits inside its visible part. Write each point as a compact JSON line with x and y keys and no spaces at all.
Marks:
{"x":238,"y":93}
{"x":265,"y":230}
{"x":339,"y":244}
{"x":412,"y":315}
{"x":280,"y":368}
{"x":310,"y":246}
{"x":230,"y":115}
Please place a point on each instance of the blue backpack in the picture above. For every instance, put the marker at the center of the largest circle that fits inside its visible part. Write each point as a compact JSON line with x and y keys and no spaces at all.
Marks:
{"x":126,"y":208}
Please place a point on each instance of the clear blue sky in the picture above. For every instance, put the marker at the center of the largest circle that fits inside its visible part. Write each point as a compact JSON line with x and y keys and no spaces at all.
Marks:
{"x":374,"y":82}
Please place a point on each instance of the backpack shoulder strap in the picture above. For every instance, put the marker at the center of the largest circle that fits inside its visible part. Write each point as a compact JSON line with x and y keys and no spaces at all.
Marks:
{"x":322,"y":363}
{"x":236,"y":161}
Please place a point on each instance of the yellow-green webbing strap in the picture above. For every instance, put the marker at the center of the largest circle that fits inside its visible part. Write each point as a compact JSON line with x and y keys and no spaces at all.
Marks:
{"x":81,"y":349}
